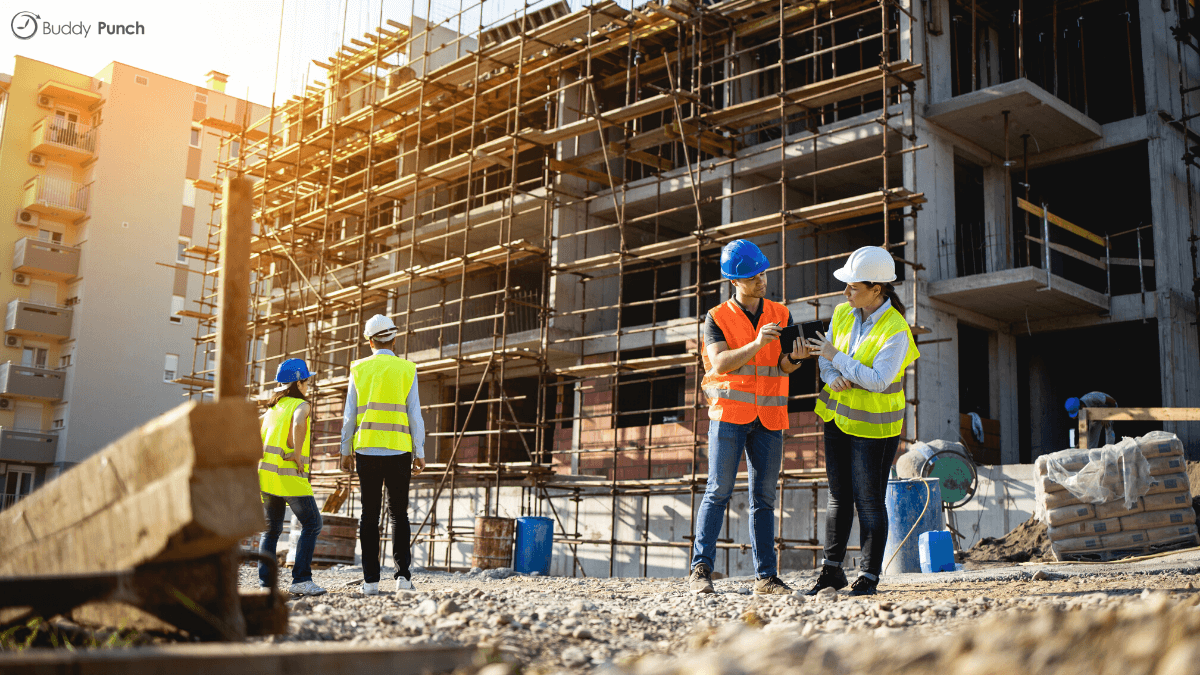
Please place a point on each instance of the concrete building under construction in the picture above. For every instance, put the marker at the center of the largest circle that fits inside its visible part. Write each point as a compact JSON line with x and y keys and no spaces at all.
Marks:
{"x":540,"y":203}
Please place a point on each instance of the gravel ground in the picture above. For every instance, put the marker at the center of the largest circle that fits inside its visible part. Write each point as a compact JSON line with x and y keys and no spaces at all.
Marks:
{"x":551,"y":624}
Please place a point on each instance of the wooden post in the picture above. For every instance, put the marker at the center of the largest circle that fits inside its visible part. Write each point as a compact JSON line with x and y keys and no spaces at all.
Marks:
{"x":233,"y":295}
{"x":1082,"y":441}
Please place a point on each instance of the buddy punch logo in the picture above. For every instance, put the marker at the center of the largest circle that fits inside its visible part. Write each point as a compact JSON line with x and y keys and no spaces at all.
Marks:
{"x":26,"y":24}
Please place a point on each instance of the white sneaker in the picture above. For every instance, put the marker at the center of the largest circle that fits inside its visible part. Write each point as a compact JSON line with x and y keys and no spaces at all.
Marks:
{"x":370,"y":588}
{"x":403,"y":584}
{"x":306,"y":588}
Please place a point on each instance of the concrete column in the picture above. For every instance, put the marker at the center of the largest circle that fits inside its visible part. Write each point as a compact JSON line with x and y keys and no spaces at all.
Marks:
{"x":1004,"y":394}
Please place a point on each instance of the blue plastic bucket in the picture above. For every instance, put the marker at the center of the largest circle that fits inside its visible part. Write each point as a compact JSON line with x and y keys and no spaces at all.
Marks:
{"x":535,"y":542}
{"x":937,"y":551}
{"x":905,"y":500}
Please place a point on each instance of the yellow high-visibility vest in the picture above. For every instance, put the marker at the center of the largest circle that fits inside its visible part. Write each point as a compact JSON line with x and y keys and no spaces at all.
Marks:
{"x":856,"y":411}
{"x":277,"y":476}
{"x":383,"y":382}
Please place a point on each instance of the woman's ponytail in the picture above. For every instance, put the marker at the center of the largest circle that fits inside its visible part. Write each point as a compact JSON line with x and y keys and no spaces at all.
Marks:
{"x":889,"y":291}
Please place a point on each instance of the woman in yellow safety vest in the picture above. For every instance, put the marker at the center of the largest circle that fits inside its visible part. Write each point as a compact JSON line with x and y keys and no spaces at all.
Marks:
{"x":284,"y":470}
{"x":862,"y":362}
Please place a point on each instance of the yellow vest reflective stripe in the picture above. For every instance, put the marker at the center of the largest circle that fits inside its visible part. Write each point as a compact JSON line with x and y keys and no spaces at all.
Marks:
{"x":382,"y":383}
{"x":277,"y":476}
{"x":856,"y":411}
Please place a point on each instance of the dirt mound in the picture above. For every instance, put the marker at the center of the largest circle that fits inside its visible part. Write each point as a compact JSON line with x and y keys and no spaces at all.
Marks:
{"x":1027,"y":542}
{"x":1151,"y":635}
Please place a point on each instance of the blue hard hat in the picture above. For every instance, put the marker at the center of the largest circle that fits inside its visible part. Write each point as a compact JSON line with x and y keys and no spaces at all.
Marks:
{"x":1073,"y":407}
{"x":741,"y":259}
{"x":292,"y":370}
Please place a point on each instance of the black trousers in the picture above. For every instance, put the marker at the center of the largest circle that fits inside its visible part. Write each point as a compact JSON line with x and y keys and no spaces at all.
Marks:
{"x":374,"y":472}
{"x":858,"y":470}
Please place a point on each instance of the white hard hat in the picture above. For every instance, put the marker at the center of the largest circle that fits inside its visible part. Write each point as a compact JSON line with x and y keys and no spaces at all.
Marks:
{"x":380,"y":328}
{"x":869,"y":263}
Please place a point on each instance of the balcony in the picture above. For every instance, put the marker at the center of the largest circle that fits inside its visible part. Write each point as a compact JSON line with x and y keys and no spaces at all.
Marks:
{"x":56,"y":197}
{"x":37,"y":319}
{"x":45,"y":258}
{"x":38,"y":384}
{"x":57,"y":138}
{"x":27,"y":447}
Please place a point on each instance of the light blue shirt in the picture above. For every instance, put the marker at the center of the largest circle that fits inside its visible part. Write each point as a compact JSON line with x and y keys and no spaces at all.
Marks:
{"x":416,"y":423}
{"x":887,"y":362}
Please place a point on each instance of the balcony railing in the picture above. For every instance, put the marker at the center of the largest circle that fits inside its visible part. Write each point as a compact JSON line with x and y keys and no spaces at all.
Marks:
{"x":56,"y":197}
{"x":39,"y":384}
{"x":29,"y":317}
{"x":27,"y":447}
{"x":45,"y":257}
{"x":58,"y":137}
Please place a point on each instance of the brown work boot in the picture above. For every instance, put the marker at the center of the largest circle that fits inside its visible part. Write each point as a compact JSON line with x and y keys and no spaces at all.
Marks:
{"x":771,"y":585}
{"x":700,"y":580}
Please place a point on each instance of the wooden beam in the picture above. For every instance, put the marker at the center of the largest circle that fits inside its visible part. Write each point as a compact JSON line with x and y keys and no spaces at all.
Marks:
{"x":1068,"y":251}
{"x":242,"y":659}
{"x":233,"y":295}
{"x":589,"y":174}
{"x":1141,"y":414}
{"x":183,"y":485}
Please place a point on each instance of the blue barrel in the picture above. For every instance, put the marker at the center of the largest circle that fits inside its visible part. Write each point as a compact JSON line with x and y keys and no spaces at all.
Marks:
{"x":535,"y":542}
{"x":905,"y":500}
{"x":937,"y":551}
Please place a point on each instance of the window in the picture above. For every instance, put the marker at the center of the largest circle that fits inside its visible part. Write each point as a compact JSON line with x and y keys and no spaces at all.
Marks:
{"x":181,"y":253}
{"x":195,"y":140}
{"x":58,"y":424}
{"x":34,"y":357}
{"x":141,"y":79}
{"x":176,"y":308}
{"x":47,"y":235}
{"x":18,"y":482}
{"x":189,"y":193}
{"x":170,"y":367}
{"x":64,"y":361}
{"x":201,"y":98}
{"x":235,"y":149}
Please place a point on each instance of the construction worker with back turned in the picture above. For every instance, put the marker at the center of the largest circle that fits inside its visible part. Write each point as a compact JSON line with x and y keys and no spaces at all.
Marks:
{"x":283,"y":473}
{"x":862,"y":361}
{"x":383,"y":439}
{"x":746,"y":382}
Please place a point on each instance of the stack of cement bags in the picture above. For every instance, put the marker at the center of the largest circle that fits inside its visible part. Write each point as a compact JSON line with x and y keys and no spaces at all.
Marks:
{"x":1123,"y":499}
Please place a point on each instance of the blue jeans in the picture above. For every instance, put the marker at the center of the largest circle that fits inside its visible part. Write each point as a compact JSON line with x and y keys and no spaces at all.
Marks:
{"x":309,"y":515}
{"x":858,"y":471}
{"x":764,"y":454}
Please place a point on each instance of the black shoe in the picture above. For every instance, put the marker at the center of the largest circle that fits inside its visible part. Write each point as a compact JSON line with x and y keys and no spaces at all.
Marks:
{"x":771,"y":585}
{"x":700,"y":580}
{"x":864,"y":586}
{"x":831,"y":577}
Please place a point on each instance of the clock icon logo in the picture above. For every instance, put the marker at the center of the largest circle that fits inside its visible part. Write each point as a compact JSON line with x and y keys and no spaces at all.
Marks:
{"x":24,"y":25}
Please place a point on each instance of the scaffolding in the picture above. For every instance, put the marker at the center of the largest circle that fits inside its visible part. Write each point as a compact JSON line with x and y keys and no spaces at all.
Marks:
{"x":539,"y":202}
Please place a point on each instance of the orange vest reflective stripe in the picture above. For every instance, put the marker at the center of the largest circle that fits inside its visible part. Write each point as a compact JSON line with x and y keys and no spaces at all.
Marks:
{"x":757,"y":389}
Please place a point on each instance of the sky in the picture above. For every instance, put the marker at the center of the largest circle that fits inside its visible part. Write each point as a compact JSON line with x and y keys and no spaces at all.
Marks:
{"x":237,"y":37}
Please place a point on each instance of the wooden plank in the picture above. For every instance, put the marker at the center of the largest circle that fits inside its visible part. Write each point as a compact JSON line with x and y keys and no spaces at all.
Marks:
{"x":609,"y":117}
{"x":1061,"y":222}
{"x":240,"y":659}
{"x":183,"y":485}
{"x":772,"y":20}
{"x":588,"y":174}
{"x":1140,"y":414}
{"x":1066,"y":250}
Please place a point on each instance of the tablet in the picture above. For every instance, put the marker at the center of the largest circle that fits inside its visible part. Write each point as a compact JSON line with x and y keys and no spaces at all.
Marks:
{"x":787,"y":338}
{"x":811,"y":328}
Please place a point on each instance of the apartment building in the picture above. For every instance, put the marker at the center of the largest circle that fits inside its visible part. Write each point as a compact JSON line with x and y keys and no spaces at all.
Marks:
{"x":104,"y":181}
